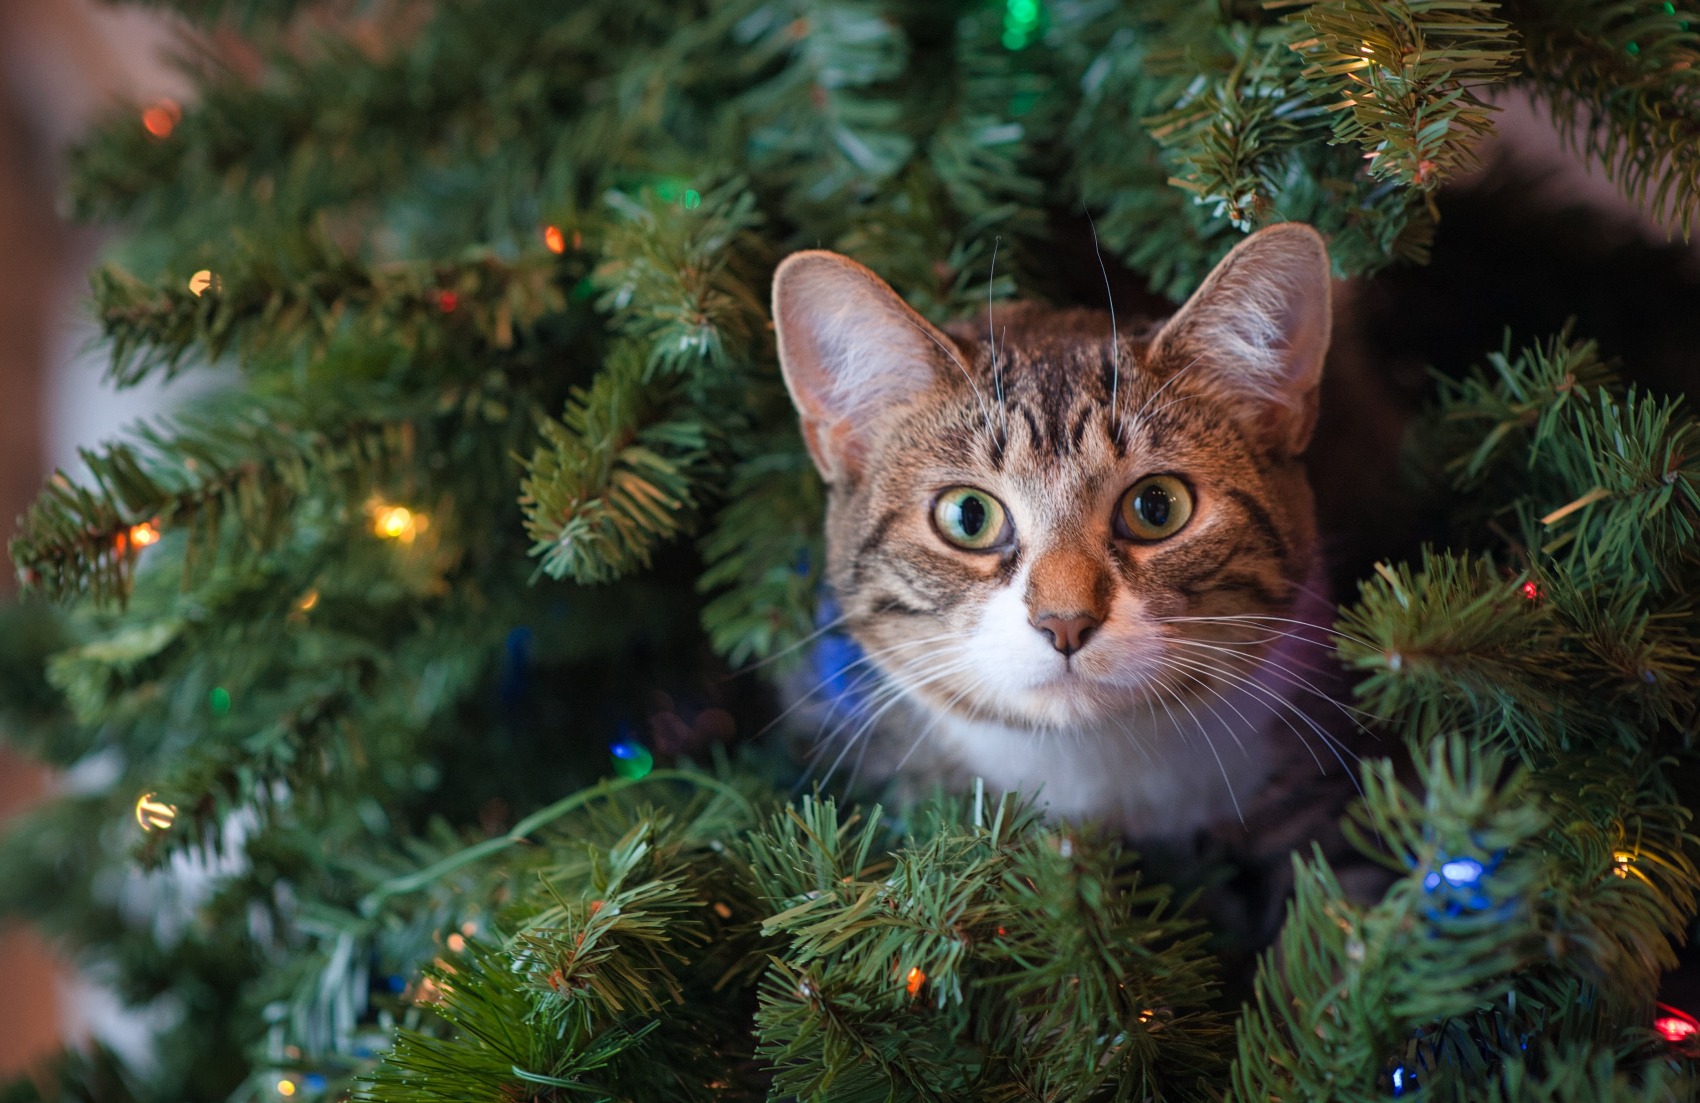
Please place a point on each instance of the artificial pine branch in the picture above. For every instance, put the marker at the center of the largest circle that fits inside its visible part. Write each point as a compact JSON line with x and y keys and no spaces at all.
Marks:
{"x":1232,"y":139}
{"x":1605,"y":473}
{"x":680,"y":279}
{"x":264,"y":302}
{"x":223,"y":465}
{"x":615,"y":477}
{"x":988,"y":924}
{"x":1621,"y":83}
{"x":819,"y":126}
{"x":1405,"y":77}
{"x":765,"y":557}
{"x":1493,"y":944}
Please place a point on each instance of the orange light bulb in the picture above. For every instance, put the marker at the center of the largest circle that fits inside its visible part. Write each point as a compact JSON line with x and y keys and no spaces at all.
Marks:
{"x":160,"y":119}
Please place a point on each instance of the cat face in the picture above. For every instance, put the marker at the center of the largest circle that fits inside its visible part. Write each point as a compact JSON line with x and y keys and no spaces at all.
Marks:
{"x":1068,"y":525}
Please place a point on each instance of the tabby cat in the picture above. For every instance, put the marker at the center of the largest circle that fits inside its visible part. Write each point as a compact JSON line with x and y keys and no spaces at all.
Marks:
{"x":1078,"y":563}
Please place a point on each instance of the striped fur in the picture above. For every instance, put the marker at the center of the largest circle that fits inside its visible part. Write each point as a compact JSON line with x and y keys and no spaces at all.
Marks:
{"x":1168,"y":717}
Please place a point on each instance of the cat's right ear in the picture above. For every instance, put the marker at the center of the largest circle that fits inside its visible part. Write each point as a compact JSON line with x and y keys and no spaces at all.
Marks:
{"x":852,"y":351}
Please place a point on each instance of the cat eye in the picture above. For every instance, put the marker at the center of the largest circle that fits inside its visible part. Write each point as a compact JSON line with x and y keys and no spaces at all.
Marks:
{"x":1153,"y":508}
{"x":970,"y":518}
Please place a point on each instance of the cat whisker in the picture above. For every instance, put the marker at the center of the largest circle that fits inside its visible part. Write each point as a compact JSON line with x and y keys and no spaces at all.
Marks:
{"x":1177,"y":402}
{"x":1194,"y":674}
{"x":1221,"y":766}
{"x":1115,"y":337}
{"x":780,"y":654}
{"x":985,"y":411}
{"x":992,"y":340}
{"x":866,"y":672}
{"x":1263,"y":665}
{"x":1226,"y":618}
{"x":864,"y":660}
{"x":888,"y":696}
{"x":1279,"y":701}
{"x":857,"y":738}
{"x":974,"y":686}
{"x":1141,"y":413}
{"x":1181,"y":669}
{"x":1286,"y":674}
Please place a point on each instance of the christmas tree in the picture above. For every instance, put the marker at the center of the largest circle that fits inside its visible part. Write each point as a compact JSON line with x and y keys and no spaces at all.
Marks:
{"x":405,"y":687}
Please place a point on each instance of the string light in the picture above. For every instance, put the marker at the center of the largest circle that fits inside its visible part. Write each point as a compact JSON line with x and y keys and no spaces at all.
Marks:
{"x":912,"y":983}
{"x":396,"y":522}
{"x":203,"y":281}
{"x":1020,"y":21}
{"x":457,"y":942}
{"x":154,"y":814}
{"x":1675,"y":1025}
{"x":308,"y":600}
{"x":554,"y":240}
{"x":1622,"y":859}
{"x":160,"y":119}
{"x":447,"y":301}
{"x":1531,"y":590}
{"x":144,"y":535}
{"x":286,"y":1087}
{"x":631,"y":759}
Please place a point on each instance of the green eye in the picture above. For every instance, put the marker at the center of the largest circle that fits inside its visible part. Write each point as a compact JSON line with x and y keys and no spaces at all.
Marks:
{"x":970,"y":518}
{"x":1154,"y":508}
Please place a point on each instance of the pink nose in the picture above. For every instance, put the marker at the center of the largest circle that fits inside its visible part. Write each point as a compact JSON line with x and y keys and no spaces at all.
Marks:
{"x":1068,"y":634}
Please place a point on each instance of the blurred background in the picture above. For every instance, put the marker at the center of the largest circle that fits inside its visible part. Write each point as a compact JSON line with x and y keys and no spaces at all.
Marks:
{"x":64,"y":63}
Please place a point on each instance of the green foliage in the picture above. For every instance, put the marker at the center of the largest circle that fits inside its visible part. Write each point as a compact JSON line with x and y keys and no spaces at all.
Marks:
{"x":613,"y":478}
{"x":1405,"y":77}
{"x":231,"y":470}
{"x":1503,"y":940}
{"x":765,"y":556}
{"x":880,"y":971}
{"x":1621,"y":84}
{"x":422,"y":239}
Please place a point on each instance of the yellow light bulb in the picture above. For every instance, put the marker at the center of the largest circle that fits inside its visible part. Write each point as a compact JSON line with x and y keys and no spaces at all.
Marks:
{"x":154,"y":814}
{"x":286,"y":1087}
{"x":396,"y":522}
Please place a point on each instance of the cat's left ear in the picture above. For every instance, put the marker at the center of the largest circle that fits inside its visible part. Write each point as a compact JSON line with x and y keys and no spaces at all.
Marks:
{"x":1259,"y":326}
{"x":853,"y":352}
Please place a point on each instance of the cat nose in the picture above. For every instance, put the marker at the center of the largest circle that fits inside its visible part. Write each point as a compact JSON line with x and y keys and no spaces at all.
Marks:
{"x":1068,"y":633}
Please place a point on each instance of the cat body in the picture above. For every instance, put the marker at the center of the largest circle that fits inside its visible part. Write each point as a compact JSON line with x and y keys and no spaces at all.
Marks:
{"x":1079,"y":563}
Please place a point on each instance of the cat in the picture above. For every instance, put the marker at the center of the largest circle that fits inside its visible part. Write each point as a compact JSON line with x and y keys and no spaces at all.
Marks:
{"x":1080,"y":564}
